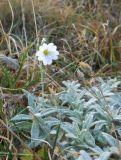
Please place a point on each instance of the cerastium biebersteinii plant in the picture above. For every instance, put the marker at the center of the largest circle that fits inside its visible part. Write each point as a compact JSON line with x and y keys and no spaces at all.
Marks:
{"x":46,"y":54}
{"x":85,"y":122}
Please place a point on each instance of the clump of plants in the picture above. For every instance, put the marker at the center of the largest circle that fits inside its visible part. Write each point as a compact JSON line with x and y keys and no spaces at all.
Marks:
{"x":92,"y":36}
{"x":76,"y":123}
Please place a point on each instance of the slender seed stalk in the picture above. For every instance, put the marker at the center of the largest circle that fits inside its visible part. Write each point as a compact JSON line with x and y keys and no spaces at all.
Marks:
{"x":42,"y":77}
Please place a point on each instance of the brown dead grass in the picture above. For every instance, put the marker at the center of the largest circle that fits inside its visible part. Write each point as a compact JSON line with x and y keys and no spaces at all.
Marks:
{"x":83,"y":29}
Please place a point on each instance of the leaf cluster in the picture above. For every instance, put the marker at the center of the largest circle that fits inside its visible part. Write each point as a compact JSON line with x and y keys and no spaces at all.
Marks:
{"x":84,"y":124}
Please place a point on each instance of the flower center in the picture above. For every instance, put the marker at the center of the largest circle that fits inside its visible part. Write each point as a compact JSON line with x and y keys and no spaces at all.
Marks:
{"x":46,"y":52}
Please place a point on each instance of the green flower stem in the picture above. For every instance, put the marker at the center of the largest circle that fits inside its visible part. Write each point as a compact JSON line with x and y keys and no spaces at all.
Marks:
{"x":42,"y":77}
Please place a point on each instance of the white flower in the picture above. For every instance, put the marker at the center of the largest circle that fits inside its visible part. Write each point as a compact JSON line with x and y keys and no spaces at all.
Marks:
{"x":47,"y":53}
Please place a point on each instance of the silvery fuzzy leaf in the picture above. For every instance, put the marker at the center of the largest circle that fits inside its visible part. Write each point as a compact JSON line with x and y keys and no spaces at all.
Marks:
{"x":35,"y":135}
{"x":117,"y":118}
{"x":9,"y":62}
{"x":89,"y":139}
{"x":70,"y":130}
{"x":87,"y":123}
{"x":76,"y":120}
{"x":116,"y":99}
{"x":21,"y":117}
{"x":99,"y":125}
{"x":114,"y":83}
{"x":104,"y":156}
{"x":103,"y":114}
{"x":55,"y":110}
{"x":84,"y":156}
{"x":106,"y":90}
{"x":66,"y":98}
{"x":110,"y":139}
{"x":22,"y":125}
{"x":78,"y":114}
{"x":67,"y":112}
{"x":31,"y":99}
{"x":96,"y":150}
{"x":41,"y":102}
{"x":114,"y":150}
{"x":86,"y":137}
{"x":119,"y":131}
{"x":72,"y":85}
{"x":39,"y":132}
{"x":98,"y":93}
{"x":52,"y":122}
{"x":91,"y":101}
{"x":35,"y":130}
{"x":72,"y":94}
{"x":47,"y":112}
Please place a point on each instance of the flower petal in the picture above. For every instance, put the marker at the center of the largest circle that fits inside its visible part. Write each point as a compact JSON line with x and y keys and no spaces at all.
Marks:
{"x":38,"y":53}
{"x":47,"y":60}
{"x":56,"y":53}
{"x":51,"y":47}
{"x":54,"y":57}
{"x":43,"y":47}
{"x":40,"y":58}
